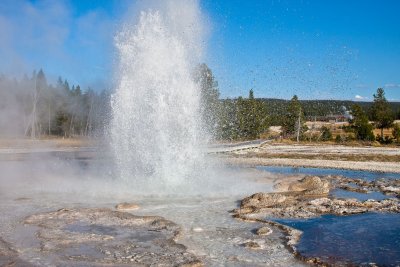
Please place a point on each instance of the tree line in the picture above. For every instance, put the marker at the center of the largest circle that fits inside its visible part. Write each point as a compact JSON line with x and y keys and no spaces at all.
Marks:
{"x":248,"y":118}
{"x":380,"y":112}
{"x":32,"y":107}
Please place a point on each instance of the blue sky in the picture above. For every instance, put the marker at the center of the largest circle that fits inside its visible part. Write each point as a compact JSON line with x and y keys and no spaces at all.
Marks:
{"x":315,"y":49}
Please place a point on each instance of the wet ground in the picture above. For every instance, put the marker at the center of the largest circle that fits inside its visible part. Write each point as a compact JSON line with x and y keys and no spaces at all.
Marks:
{"x":59,"y":209}
{"x":206,"y":230}
{"x":48,"y":198}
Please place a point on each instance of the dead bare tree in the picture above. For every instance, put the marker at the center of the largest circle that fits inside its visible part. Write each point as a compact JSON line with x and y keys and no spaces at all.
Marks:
{"x":35,"y":98}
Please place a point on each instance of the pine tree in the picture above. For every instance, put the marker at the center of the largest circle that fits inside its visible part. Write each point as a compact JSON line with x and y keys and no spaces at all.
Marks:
{"x":360,"y":124}
{"x":326,"y":134}
{"x":381,"y":112}
{"x":228,"y":120}
{"x":41,"y":80}
{"x":59,"y":82}
{"x":66,"y":86}
{"x":293,"y":122}
{"x":210,"y":105}
{"x":251,"y":94}
{"x":396,"y":132}
{"x":251,"y":117}
{"x":78,"y":91}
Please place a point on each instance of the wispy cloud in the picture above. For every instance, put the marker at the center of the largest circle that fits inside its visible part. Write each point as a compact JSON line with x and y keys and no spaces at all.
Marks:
{"x":392,"y":86}
{"x":51,"y":35}
{"x":358,"y":97}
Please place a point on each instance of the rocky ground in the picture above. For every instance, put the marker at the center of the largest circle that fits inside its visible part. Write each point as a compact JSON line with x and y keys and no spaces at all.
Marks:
{"x":310,"y":197}
{"x":35,"y":233}
{"x":102,"y":236}
{"x":45,"y":231}
{"x":98,"y":237}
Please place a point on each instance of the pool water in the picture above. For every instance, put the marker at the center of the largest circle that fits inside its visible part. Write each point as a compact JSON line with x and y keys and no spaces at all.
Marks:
{"x":340,"y":193}
{"x":357,"y":239}
{"x":347,"y":240}
{"x":367,"y":175}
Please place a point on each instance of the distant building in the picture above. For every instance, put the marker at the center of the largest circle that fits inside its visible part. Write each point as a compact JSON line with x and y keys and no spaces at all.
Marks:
{"x":333,"y":118}
{"x":329,"y":118}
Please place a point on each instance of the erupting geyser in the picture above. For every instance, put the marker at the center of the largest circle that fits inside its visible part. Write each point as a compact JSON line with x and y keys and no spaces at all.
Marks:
{"x":157,"y":132}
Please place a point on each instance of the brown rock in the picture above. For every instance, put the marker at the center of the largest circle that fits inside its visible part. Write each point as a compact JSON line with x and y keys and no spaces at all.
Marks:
{"x":127,"y":206}
{"x":263,"y":199}
{"x":264,"y":231}
{"x":193,"y":264}
{"x":311,"y":185}
{"x":252,"y":245}
{"x":305,"y":200}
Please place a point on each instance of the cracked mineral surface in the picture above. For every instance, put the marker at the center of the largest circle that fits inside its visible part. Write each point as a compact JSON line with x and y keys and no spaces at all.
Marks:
{"x":79,"y":236}
{"x":102,"y":236}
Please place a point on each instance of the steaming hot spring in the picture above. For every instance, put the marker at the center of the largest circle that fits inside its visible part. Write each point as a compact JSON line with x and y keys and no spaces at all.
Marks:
{"x":153,"y":190}
{"x":151,"y":193}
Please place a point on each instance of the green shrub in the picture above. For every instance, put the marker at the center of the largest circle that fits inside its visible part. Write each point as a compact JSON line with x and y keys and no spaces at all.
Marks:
{"x":339,"y":139}
{"x":384,"y":140}
{"x":396,"y":132}
{"x":326,"y":134}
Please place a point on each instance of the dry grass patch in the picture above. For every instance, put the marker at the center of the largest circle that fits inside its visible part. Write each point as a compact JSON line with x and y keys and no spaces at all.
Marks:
{"x":347,"y":157}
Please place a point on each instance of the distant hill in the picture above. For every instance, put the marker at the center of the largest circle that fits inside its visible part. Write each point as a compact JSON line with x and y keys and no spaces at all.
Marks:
{"x":316,"y":108}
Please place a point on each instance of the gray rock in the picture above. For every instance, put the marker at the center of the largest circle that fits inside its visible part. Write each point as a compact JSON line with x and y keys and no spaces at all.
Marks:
{"x":99,"y":237}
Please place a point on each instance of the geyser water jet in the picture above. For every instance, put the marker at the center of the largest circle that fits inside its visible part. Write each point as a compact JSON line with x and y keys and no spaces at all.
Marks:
{"x":157,"y":132}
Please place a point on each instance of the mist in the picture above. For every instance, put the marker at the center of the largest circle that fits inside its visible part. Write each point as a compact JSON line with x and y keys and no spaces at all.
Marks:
{"x":30,"y":107}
